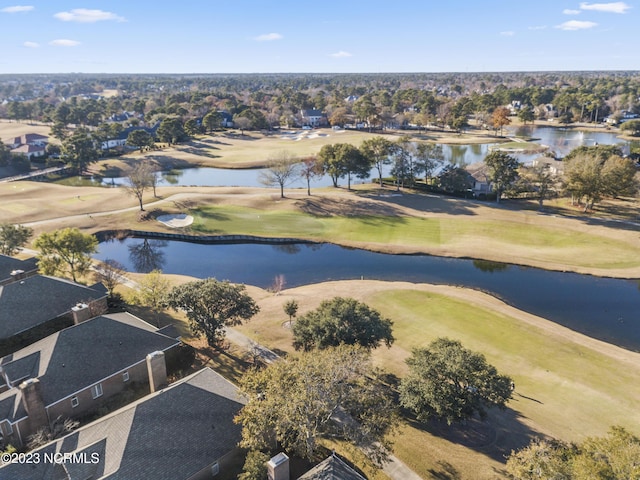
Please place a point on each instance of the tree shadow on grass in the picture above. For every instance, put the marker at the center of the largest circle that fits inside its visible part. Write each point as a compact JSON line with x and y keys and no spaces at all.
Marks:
{"x":430,"y":203}
{"x":496,"y":436}
{"x":345,"y":207}
{"x":445,"y":471}
{"x":199,"y":152}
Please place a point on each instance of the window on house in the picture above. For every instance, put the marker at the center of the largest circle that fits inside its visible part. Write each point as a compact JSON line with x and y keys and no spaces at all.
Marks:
{"x":74,"y":402}
{"x":96,"y":390}
{"x":215,"y":469}
{"x":125,"y":377}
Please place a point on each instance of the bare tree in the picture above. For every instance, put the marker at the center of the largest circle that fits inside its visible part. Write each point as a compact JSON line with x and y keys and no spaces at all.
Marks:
{"x":110,"y":273}
{"x":283,"y":169}
{"x":311,"y":168}
{"x":138,"y":180}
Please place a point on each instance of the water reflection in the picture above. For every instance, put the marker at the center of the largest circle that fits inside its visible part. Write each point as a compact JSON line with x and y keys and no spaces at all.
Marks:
{"x":289,"y":248}
{"x":559,"y":140}
{"x":603,"y":308}
{"x":490,"y":267}
{"x":147,"y":255}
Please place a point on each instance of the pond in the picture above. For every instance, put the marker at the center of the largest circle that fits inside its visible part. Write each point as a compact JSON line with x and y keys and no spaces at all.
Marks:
{"x":606,"y":309}
{"x":562,"y":141}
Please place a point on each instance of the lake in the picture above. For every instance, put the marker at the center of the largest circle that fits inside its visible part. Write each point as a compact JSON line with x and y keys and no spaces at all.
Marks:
{"x":561,"y":141}
{"x":606,"y":309}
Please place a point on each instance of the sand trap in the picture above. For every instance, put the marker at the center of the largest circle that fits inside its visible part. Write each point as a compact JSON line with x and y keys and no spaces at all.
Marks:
{"x":179,"y":220}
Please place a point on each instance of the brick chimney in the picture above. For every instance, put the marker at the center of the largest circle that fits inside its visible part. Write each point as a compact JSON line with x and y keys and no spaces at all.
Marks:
{"x":278,"y":467}
{"x":33,"y":404}
{"x":18,"y":275}
{"x":81,"y":313}
{"x":157,"y":370}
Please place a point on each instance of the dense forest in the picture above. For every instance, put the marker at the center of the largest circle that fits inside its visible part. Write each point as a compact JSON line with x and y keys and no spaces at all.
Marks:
{"x":270,"y":100}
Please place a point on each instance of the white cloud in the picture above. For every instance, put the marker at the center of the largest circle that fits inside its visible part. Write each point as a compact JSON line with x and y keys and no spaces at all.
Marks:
{"x":17,"y":9}
{"x":538,"y":27}
{"x":84,"y":15}
{"x":63,"y":42}
{"x":509,"y":33}
{"x":31,"y":44}
{"x":340,"y":54}
{"x":614,"y":7}
{"x":576,"y":25}
{"x":268,"y":37}
{"x":568,"y":11}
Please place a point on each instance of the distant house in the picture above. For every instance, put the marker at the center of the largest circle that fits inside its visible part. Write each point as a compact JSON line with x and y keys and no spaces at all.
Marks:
{"x":183,"y":432}
{"x":313,"y":118}
{"x":624,"y":116}
{"x":514,"y":107}
{"x":480,"y":177}
{"x":121,"y":139}
{"x":34,"y":139}
{"x":32,"y":145}
{"x":29,"y":151}
{"x":70,"y":373}
{"x":34,"y":307}
{"x":227,"y":119}
{"x":13,"y":269}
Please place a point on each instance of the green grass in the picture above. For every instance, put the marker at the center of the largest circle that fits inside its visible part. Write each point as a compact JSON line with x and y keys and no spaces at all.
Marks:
{"x":527,"y":242}
{"x":562,"y":388}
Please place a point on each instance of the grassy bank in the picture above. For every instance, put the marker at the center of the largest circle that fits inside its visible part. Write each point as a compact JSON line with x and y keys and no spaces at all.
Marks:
{"x":372,"y":219}
{"x":521,"y":239}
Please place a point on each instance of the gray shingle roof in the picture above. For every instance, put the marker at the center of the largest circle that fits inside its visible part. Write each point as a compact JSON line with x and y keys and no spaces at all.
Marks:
{"x":38,"y":299}
{"x":332,"y":468}
{"x":9,"y":264}
{"x":79,"y":356}
{"x":169,"y":435}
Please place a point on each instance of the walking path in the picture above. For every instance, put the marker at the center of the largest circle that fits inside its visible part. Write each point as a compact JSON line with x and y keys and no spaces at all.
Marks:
{"x":34,"y":174}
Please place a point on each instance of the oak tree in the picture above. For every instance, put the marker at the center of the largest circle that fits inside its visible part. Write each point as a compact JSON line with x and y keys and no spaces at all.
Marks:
{"x":342,"y":321}
{"x":449,"y":382}
{"x":13,"y":238}
{"x":66,"y":251}
{"x":503,"y":170}
{"x":211,"y":305}
{"x":333,"y":393}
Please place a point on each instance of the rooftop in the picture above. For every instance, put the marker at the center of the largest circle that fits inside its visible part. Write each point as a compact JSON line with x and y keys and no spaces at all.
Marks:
{"x":169,"y":435}
{"x":10,"y":264}
{"x":38,"y":299}
{"x":79,"y":356}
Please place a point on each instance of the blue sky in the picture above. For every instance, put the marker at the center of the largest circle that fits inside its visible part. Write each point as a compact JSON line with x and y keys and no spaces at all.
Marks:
{"x":244,"y":36}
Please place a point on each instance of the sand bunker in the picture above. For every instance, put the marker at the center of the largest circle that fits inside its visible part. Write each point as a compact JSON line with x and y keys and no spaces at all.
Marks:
{"x":179,"y":220}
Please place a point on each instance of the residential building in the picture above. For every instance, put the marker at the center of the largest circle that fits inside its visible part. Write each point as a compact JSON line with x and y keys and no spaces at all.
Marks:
{"x":72,"y":372}
{"x":34,"y":139}
{"x":313,"y":118}
{"x":34,"y":307}
{"x":32,"y":145}
{"x":13,"y":269}
{"x":29,"y":151}
{"x":183,"y":432}
{"x":332,"y":468}
{"x":121,"y":139}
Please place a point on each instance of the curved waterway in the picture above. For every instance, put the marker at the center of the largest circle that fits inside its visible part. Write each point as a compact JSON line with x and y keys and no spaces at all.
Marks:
{"x":602,"y":308}
{"x":559,"y":140}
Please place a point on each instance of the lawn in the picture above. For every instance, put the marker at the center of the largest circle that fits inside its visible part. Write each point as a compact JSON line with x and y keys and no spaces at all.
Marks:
{"x":473,"y":234}
{"x":567,"y":385}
